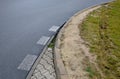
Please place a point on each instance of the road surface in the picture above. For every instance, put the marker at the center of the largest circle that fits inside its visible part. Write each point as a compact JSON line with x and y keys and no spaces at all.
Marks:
{"x":25,"y":27}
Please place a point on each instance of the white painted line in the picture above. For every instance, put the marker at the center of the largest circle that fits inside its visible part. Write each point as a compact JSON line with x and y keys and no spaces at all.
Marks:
{"x":27,"y":62}
{"x":54,"y":28}
{"x":43,"y":40}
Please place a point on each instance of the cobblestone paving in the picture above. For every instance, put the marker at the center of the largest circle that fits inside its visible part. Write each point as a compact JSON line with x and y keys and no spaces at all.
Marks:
{"x":45,"y":68}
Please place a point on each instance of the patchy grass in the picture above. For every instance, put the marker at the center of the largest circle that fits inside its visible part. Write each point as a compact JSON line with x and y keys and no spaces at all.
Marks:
{"x":102,"y":30}
{"x":52,"y":44}
{"x":90,"y":71}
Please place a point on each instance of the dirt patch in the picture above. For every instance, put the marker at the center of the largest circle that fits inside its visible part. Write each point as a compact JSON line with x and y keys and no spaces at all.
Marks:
{"x":75,"y":53}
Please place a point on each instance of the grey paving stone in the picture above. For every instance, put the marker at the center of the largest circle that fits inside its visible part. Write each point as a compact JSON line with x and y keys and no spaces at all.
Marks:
{"x":53,"y":74}
{"x":46,"y":65}
{"x":45,"y":68}
{"x":36,"y":71}
{"x":41,"y":69}
{"x":47,"y":52}
{"x":51,"y":70}
{"x":48,"y":58}
{"x":38,"y":75}
{"x":42,"y":77}
{"x":33,"y":77}
{"x":47,"y":75}
{"x":50,"y":55}
{"x":52,"y":77}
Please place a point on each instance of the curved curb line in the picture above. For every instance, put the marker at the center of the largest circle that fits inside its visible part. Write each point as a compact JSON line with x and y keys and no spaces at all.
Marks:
{"x":59,"y":65}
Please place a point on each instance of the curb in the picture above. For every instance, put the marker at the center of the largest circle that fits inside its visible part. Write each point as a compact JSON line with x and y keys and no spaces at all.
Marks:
{"x":59,"y":65}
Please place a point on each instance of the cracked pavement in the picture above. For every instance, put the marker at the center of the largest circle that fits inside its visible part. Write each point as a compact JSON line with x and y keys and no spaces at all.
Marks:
{"x":45,"y":68}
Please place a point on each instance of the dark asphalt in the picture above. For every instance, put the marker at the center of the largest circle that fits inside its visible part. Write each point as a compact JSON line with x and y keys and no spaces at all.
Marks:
{"x":23,"y":22}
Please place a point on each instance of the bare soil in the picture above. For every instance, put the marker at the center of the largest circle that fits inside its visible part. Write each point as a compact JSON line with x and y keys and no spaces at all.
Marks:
{"x":75,"y":53}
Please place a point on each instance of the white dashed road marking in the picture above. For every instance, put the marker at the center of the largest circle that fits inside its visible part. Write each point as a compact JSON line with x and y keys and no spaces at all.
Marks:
{"x":27,"y":62}
{"x":43,"y":40}
{"x":54,"y":28}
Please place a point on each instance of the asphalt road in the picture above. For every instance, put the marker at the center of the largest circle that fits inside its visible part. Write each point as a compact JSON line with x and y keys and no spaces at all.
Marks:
{"x":23,"y":23}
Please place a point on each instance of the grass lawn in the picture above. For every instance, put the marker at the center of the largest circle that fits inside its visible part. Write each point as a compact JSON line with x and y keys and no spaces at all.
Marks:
{"x":102,"y":30}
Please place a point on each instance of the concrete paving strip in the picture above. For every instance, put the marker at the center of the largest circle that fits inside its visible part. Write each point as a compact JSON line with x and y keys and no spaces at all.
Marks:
{"x":54,"y":28}
{"x":43,"y":40}
{"x":27,"y":62}
{"x":45,"y":67}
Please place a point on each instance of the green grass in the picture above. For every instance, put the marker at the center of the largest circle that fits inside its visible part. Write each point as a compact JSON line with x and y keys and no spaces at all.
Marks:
{"x":52,"y":43}
{"x":90,"y":71}
{"x":102,"y":30}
